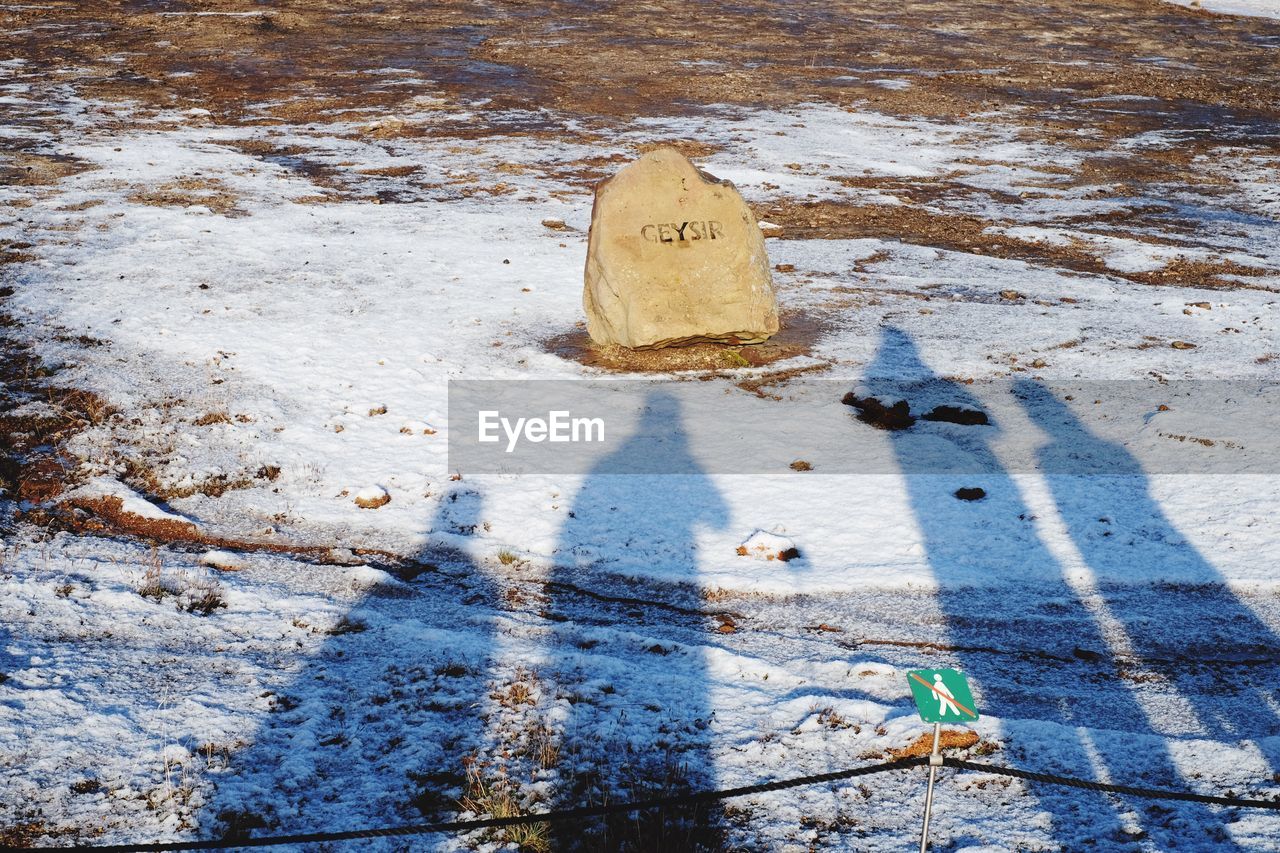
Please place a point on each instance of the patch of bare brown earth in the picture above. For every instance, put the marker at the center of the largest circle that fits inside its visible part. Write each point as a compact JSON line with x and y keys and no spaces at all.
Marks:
{"x":797,"y":336}
{"x":1065,"y":72}
{"x":949,"y":739}
{"x":34,"y":465}
{"x":189,"y":192}
{"x":1076,"y":73}
{"x":968,"y":233}
{"x":106,"y":516}
{"x":106,"y":513}
{"x":627,"y":59}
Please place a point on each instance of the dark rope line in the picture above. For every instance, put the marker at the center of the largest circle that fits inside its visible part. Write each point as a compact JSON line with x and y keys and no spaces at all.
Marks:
{"x":674,"y":800}
{"x":1113,"y":789}
{"x":516,"y":820}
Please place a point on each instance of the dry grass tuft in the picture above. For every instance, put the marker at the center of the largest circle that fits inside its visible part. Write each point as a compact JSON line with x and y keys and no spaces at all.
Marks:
{"x":522,"y":691}
{"x":831,"y":719}
{"x":541,"y":744}
{"x":516,"y":695}
{"x":194,"y":593}
{"x":494,"y":795}
{"x":203,"y":595}
{"x":151,"y":585}
{"x":213,"y":418}
{"x":191,"y":192}
{"x":346,"y":625}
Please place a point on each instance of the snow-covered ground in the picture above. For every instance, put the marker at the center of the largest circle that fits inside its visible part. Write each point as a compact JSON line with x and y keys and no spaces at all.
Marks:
{"x":339,"y":697}
{"x":278,"y":311}
{"x":1259,"y":8}
{"x":330,"y":361}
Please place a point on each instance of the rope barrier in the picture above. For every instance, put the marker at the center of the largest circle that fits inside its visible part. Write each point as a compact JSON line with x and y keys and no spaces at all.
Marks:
{"x":673,"y":800}
{"x":517,"y":820}
{"x":1149,"y":793}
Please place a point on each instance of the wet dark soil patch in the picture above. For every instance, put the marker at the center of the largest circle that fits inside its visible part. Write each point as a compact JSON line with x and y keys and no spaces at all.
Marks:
{"x":872,"y":411}
{"x":896,"y":415}
{"x":305,"y":61}
{"x":956,"y":415}
{"x":37,"y":416}
{"x":798,"y":336}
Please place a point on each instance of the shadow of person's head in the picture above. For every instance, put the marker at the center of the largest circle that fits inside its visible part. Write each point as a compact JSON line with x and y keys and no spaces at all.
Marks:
{"x":658,"y":445}
{"x":640,"y":506}
{"x":1073,"y":448}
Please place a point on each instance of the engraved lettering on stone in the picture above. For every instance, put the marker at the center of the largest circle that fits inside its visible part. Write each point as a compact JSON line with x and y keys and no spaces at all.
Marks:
{"x":686,"y":232}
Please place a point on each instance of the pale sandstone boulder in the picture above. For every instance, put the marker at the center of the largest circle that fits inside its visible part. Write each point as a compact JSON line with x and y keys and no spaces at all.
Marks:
{"x":675,"y":256}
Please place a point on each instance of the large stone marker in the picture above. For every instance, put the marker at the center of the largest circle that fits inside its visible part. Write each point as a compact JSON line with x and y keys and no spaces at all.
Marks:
{"x":675,"y":257}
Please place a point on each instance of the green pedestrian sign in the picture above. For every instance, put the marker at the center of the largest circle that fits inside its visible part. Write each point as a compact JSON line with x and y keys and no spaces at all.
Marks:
{"x":942,"y":696}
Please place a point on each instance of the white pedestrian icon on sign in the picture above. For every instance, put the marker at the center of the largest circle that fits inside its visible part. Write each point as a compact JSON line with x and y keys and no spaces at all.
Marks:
{"x":945,"y":696}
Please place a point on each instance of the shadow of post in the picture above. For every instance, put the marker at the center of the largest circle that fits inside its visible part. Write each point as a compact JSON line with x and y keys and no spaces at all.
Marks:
{"x":1191,"y":631}
{"x":997,"y":586}
{"x":639,"y":720}
{"x":378,"y":726}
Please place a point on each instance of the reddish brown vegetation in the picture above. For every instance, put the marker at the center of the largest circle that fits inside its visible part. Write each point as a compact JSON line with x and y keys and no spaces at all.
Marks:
{"x":949,"y":739}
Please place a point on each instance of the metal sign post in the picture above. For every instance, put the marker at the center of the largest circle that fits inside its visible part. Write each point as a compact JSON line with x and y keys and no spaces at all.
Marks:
{"x":935,"y":760}
{"x":940,"y":694}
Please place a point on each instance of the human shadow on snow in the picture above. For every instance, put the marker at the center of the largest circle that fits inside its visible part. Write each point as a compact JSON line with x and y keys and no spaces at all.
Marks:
{"x":382,"y":723}
{"x":378,"y":726}
{"x":1192,"y":633}
{"x":636,"y":721}
{"x":996,"y":580}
